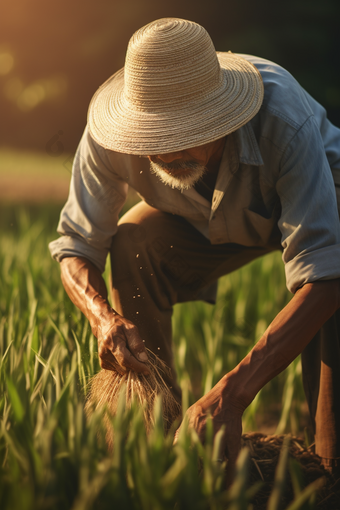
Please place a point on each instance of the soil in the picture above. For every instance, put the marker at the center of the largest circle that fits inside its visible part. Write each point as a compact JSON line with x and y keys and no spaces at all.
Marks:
{"x":264,"y":455}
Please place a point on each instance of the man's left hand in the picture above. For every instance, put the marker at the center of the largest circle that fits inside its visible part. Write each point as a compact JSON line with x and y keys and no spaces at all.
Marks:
{"x":222,"y":413}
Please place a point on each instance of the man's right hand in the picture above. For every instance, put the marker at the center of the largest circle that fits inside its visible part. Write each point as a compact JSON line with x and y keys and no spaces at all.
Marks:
{"x":120,"y":346}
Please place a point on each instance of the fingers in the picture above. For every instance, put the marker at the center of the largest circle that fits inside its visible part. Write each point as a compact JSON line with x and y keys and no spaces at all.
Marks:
{"x":219,"y":449}
{"x":113,"y":348}
{"x":186,"y":422}
{"x":126,"y":359}
{"x":109,"y":362}
{"x":135,"y":343}
{"x":176,"y":436}
{"x":114,"y":340}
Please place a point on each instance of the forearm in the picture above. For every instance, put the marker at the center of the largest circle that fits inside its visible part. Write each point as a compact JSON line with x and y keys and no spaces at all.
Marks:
{"x":286,"y":337}
{"x":86,"y":288}
{"x":119,"y":343}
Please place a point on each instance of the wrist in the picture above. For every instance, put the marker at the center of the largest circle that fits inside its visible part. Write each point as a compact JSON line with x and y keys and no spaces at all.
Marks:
{"x":222,"y":399}
{"x":100,"y":315}
{"x":233,"y":392}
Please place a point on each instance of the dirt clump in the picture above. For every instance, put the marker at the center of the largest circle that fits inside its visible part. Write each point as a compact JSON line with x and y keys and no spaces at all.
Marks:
{"x":264,"y":455}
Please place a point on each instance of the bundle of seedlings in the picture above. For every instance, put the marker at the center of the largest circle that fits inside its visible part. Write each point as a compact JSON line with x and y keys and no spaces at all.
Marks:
{"x":106,"y":386}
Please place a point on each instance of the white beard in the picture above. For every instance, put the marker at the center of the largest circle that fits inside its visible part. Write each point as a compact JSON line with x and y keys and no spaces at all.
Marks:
{"x":181,"y":182}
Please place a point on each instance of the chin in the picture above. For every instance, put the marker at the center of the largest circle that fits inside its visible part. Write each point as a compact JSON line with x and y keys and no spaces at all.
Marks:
{"x":181,"y":182}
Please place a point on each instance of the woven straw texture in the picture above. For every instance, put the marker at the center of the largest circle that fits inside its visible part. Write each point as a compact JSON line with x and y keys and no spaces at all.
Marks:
{"x":174,"y":92}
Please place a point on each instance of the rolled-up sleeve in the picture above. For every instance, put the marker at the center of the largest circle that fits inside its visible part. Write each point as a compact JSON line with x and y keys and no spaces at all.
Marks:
{"x":309,"y":221}
{"x":89,"y":218}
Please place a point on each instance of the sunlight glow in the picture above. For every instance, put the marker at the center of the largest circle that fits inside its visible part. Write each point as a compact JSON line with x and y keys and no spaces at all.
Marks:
{"x":6,"y":62}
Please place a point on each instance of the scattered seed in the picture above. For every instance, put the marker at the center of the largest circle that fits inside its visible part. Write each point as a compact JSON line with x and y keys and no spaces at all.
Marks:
{"x":171,"y":246}
{"x":141,"y":172}
{"x":151,"y":274}
{"x":133,"y":297}
{"x":137,"y":255}
{"x":159,"y":348}
{"x":138,"y":295}
{"x":141,"y":267}
{"x":137,"y":313}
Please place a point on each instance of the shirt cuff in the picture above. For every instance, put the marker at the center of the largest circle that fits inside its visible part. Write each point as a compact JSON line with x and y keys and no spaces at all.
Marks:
{"x":322,"y":264}
{"x":67,"y":246}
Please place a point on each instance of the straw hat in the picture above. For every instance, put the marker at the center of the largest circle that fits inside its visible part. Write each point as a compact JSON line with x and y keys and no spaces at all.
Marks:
{"x":175,"y":92}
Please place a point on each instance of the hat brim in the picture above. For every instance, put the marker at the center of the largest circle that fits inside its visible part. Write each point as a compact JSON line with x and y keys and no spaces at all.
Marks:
{"x":118,"y":127}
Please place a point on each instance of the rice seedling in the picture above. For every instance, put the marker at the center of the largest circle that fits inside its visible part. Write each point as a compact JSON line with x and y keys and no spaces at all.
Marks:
{"x":51,"y":456}
{"x":106,"y":387}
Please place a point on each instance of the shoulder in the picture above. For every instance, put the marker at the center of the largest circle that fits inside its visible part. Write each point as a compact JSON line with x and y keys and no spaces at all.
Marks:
{"x":287,"y":109}
{"x":284,"y":97}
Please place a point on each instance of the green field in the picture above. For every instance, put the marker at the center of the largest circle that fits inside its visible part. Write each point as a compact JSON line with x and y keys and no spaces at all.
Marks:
{"x":51,"y":457}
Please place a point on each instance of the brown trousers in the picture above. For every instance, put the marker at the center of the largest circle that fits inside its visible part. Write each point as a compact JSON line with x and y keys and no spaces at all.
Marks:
{"x":159,"y":259}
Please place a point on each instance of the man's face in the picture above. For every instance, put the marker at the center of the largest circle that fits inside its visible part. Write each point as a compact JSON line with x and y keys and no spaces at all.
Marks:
{"x":181,"y":170}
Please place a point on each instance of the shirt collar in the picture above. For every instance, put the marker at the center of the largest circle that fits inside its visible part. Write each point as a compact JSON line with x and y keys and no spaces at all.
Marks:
{"x":248,"y":149}
{"x":241,"y":148}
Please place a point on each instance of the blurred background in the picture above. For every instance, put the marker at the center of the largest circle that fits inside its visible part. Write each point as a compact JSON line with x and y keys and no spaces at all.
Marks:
{"x":53,"y":56}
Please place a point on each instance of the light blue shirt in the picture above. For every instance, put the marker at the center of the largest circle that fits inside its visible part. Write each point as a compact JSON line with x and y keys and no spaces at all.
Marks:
{"x":279,"y":171}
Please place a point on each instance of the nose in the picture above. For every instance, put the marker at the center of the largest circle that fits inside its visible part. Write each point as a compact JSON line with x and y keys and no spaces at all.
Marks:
{"x":170,"y":157}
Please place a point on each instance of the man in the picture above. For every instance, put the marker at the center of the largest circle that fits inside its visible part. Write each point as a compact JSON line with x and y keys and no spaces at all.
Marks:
{"x":233,"y":159}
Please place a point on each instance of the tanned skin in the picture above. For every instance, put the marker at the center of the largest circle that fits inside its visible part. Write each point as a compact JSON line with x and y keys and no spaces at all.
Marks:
{"x":119,"y":345}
